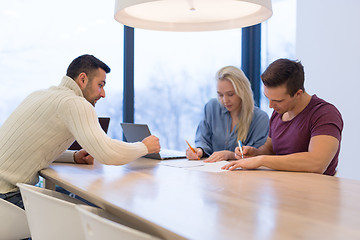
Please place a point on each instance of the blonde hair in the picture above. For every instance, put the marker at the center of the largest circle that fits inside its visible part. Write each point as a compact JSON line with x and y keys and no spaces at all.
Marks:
{"x":243,"y":90}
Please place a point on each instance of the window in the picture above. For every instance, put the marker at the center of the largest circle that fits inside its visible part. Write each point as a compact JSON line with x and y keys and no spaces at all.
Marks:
{"x":174,"y":72}
{"x":41,"y":38}
{"x":175,"y":77}
{"x":278,"y":38}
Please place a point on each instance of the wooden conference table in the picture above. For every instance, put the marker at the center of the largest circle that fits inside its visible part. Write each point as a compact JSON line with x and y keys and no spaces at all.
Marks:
{"x":176,"y":203}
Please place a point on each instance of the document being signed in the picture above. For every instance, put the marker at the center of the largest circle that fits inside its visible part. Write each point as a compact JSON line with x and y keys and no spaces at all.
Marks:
{"x":195,"y":165}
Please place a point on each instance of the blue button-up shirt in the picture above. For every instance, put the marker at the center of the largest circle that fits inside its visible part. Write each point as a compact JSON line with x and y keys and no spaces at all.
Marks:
{"x":214,"y":131}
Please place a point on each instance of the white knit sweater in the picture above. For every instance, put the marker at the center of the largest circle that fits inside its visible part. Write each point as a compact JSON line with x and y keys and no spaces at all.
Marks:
{"x":44,"y":125}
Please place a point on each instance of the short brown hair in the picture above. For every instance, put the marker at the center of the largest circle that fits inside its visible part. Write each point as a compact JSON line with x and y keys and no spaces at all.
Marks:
{"x":85,"y":63}
{"x":284,"y":71}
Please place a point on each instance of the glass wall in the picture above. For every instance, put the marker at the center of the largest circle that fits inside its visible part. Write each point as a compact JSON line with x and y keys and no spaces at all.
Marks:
{"x":174,"y":72}
{"x":278,"y":38}
{"x":175,"y":77}
{"x":40,"y":38}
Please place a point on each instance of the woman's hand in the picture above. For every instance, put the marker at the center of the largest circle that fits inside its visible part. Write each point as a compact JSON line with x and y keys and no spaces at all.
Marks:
{"x":220,"y":156}
{"x":194,"y":156}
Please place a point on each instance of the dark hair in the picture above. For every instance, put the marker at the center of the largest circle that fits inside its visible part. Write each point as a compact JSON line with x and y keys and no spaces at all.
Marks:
{"x":284,"y":71}
{"x":85,"y":63}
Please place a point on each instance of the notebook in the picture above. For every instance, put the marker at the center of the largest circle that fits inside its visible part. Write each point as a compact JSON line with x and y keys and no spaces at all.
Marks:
{"x":137,"y":132}
{"x":104,"y":123}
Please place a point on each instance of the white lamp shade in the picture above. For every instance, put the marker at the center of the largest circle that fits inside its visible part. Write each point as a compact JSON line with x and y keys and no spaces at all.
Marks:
{"x":191,"y":15}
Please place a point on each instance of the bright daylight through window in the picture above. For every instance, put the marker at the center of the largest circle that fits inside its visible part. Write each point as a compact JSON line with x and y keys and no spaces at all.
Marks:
{"x":174,"y":71}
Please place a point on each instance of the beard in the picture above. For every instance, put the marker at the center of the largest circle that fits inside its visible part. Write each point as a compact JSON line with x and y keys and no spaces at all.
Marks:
{"x":88,"y":97}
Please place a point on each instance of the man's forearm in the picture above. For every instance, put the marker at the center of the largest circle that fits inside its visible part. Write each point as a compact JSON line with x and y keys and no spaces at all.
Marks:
{"x":299,"y":162}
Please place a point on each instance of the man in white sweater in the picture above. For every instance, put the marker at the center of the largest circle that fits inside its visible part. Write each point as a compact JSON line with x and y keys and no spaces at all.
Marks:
{"x":46,"y":123}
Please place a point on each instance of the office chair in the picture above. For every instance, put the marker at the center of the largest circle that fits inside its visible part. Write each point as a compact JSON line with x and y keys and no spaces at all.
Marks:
{"x":99,"y":224}
{"x":51,"y":215}
{"x":13,"y":222}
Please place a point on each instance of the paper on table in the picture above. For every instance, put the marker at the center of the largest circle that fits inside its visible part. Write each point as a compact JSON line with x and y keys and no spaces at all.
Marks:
{"x":182,"y":163}
{"x":211,"y":167}
{"x":195,"y":165}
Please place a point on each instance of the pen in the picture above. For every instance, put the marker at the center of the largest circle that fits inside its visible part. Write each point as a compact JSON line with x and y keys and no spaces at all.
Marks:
{"x":192,"y":149}
{"x":240,"y":146}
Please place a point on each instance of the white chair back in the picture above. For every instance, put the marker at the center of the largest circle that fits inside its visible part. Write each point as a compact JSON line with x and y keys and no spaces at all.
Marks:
{"x":98,"y":225}
{"x":13,"y":222}
{"x":50,"y":214}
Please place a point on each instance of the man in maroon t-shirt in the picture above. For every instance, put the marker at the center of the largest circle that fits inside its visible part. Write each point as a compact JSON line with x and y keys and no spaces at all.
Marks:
{"x":305,"y":131}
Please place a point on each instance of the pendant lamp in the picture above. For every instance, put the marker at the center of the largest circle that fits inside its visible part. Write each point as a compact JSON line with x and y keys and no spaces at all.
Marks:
{"x":191,"y":15}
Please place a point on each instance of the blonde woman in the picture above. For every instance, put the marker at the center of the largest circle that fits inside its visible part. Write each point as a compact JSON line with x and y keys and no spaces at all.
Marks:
{"x":230,"y":118}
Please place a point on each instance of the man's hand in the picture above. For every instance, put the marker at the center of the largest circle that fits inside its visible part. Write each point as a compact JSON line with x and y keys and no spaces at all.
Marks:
{"x":245,"y":163}
{"x":82,"y":157}
{"x":152,"y":144}
{"x":247,"y":152}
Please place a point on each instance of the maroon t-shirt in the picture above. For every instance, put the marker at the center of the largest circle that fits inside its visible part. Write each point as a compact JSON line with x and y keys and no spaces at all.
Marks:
{"x":318,"y":118}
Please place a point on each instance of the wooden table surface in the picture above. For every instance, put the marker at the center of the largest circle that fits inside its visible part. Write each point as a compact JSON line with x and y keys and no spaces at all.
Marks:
{"x":176,"y":203}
